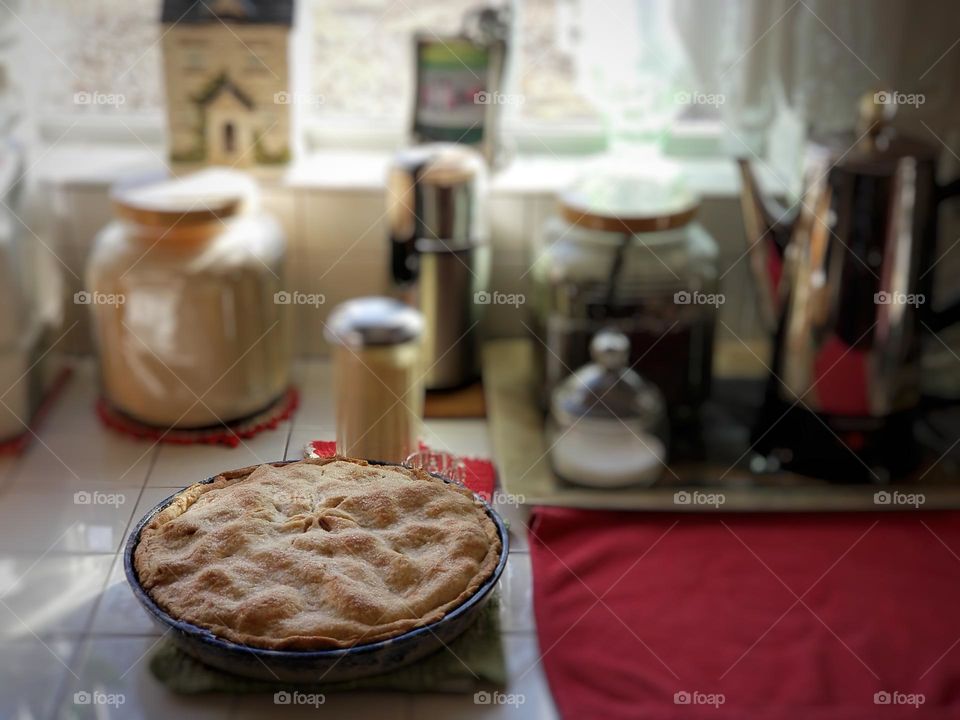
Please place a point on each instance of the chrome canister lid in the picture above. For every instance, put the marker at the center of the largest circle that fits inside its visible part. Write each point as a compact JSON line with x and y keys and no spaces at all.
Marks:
{"x":435,"y":196}
{"x":372,"y":321}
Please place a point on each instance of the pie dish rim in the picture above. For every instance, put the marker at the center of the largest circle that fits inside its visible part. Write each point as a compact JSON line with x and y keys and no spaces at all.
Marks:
{"x":210,"y":638}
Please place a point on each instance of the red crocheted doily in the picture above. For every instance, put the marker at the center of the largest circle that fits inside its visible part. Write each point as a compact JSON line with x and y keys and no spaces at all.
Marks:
{"x":479,"y":474}
{"x":230,"y":434}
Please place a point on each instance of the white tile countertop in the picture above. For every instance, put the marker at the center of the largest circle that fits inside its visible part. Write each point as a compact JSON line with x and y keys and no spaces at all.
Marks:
{"x":69,"y":624}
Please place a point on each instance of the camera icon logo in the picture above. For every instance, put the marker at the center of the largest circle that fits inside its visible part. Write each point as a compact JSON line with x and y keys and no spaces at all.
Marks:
{"x":681,"y":697}
{"x":82,"y":298}
{"x":481,"y":698}
{"x":882,"y":298}
{"x":882,"y":497}
{"x":882,"y":98}
{"x":882,"y":697}
{"x":82,"y":697}
{"x":281,"y":98}
{"x":282,"y":698}
{"x":282,"y":297}
{"x":82,"y":497}
{"x":682,"y":297}
{"x":681,"y":497}
{"x":482,"y":97}
{"x":481,"y":297}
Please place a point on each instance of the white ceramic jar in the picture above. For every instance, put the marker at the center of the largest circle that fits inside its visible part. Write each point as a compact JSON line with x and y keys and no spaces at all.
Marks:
{"x":185,"y":290}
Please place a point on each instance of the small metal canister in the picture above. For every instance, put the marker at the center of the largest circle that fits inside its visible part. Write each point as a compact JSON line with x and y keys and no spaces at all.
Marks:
{"x":436,"y":205}
{"x":378,"y":390}
{"x":608,"y":426}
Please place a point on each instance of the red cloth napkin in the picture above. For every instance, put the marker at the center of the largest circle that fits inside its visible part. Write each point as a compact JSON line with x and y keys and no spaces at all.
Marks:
{"x":698,"y":609}
{"x":480,"y":474}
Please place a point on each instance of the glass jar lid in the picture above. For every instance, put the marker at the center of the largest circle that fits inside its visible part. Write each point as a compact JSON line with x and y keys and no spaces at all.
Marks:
{"x":606,"y":388}
{"x":373,"y":321}
{"x":630,"y":195}
{"x":196,"y":199}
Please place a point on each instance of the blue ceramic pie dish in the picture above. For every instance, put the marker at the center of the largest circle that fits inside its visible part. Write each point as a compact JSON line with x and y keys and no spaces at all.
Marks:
{"x":313,"y":666}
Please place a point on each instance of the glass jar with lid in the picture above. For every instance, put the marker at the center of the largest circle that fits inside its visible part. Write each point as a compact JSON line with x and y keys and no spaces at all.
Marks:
{"x":624,"y":251}
{"x":186,"y":295}
{"x":607,"y":426}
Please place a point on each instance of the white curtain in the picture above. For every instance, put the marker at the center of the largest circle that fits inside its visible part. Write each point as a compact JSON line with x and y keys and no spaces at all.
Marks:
{"x":815,"y":58}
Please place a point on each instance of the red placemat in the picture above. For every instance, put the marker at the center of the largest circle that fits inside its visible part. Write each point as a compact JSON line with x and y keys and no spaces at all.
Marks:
{"x":480,"y":475}
{"x":787,"y":617}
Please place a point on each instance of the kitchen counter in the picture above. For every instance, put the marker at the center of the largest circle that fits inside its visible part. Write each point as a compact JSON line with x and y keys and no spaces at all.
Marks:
{"x":69,"y":624}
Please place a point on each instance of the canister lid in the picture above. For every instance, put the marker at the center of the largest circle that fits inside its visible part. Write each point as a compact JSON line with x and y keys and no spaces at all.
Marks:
{"x":370,"y":321}
{"x":193,"y":200}
{"x":442,"y":164}
{"x":606,"y":389}
{"x":435,"y":192}
{"x":616,"y":196}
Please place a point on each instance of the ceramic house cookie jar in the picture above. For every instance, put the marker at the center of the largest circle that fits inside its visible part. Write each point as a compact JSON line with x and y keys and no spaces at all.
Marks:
{"x":227,"y":78}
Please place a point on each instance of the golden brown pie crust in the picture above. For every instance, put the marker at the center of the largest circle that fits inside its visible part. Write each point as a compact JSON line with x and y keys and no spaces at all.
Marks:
{"x":321,"y":553}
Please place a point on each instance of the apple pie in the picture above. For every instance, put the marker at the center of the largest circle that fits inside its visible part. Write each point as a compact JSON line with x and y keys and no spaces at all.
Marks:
{"x":321,"y":553}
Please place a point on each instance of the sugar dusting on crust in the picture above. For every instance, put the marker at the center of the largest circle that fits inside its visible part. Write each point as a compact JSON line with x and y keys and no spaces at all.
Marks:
{"x":322,"y":553}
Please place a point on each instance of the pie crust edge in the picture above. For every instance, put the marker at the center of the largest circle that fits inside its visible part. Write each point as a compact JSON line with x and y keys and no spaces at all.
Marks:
{"x":184,"y":499}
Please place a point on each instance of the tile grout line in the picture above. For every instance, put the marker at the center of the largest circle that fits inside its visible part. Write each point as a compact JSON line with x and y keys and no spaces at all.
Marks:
{"x":86,"y":635}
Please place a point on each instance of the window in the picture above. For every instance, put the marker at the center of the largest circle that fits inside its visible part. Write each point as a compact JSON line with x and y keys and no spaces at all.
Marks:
{"x":107,"y":47}
{"x":566,"y":67}
{"x":707,"y":77}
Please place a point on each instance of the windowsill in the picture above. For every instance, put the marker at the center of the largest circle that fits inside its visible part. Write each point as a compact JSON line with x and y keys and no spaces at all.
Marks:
{"x":97,"y":165}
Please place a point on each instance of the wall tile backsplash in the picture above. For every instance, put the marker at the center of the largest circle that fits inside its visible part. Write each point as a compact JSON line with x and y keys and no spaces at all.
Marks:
{"x":337,"y":248}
